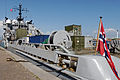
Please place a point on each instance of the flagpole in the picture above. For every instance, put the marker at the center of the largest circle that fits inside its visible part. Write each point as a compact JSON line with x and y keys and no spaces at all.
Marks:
{"x":98,"y":34}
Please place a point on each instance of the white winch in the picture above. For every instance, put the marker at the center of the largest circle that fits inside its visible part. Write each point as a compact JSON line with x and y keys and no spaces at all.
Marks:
{"x":60,"y":38}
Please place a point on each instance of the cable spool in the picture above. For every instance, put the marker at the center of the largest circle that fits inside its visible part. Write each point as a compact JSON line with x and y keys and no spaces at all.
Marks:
{"x":60,"y":38}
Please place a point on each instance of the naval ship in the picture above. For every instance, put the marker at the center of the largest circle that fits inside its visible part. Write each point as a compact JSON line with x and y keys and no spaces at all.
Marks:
{"x":24,"y":37}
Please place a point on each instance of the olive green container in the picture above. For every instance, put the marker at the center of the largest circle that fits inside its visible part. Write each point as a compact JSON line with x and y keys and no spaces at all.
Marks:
{"x":74,"y":29}
{"x":77,"y":42}
{"x":21,"y":33}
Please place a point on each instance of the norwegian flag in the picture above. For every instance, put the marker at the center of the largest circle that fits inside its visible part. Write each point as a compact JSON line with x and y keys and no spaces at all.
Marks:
{"x":103,"y":49}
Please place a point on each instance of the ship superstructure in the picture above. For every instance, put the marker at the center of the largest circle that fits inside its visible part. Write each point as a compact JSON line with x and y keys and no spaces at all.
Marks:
{"x":18,"y":28}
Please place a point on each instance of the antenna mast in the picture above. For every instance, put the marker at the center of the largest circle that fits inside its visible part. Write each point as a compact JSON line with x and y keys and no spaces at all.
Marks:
{"x":117,"y":34}
{"x":20,"y":13}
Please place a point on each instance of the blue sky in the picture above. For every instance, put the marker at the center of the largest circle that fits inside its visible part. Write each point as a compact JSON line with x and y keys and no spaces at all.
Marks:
{"x":50,"y":15}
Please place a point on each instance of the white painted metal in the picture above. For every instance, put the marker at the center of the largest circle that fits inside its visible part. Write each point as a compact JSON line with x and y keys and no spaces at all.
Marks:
{"x":46,"y":54}
{"x":88,"y":42}
{"x":60,"y":38}
{"x":96,"y":68}
{"x":91,"y":67}
{"x":8,"y":21}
